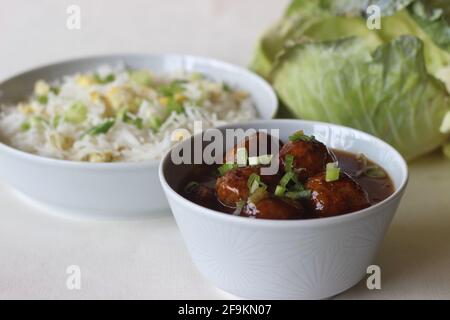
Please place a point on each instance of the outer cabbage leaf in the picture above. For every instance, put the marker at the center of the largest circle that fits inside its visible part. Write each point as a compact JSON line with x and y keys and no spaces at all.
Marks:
{"x":433,"y":16}
{"x":388,"y":93}
{"x":349,"y":7}
{"x":402,"y":23}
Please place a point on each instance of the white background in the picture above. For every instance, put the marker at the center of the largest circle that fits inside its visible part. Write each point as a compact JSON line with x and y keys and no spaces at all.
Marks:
{"x":147,"y":259}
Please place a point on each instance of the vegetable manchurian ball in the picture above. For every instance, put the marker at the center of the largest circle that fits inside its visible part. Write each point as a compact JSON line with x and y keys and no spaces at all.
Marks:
{"x":232,"y":187}
{"x":334,"y":198}
{"x":310,"y":157}
{"x":274,"y":208}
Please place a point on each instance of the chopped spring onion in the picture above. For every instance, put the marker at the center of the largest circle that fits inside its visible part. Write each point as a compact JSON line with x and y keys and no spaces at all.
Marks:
{"x":374,"y":172}
{"x":264,"y":160}
{"x":241,"y":157}
{"x":304,"y":194}
{"x":288,"y":163}
{"x":122,"y":114}
{"x":300,"y":136}
{"x":172,"y":88}
{"x":332,"y":172}
{"x":76,"y":114}
{"x":101,"y":128}
{"x":371,"y":171}
{"x":25,"y":126}
{"x":279,"y":191}
{"x":239,"y":206}
{"x":226,"y":167}
{"x":173,"y":105}
{"x":109,"y":78}
{"x":55,"y":90}
{"x":56,"y":121}
{"x":226,"y":87}
{"x":42,"y":99}
{"x":254,"y":182}
{"x":142,"y":77}
{"x":259,"y":194}
{"x":253,"y":161}
{"x":37,"y":122}
{"x":361,"y":157}
{"x":288,"y":176}
{"x":191,"y":186}
{"x":298,"y":185}
{"x":154,"y":123}
{"x":138,"y":122}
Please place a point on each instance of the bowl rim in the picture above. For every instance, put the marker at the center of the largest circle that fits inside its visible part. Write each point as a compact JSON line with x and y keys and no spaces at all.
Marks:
{"x":215,"y":63}
{"x":360,"y":214}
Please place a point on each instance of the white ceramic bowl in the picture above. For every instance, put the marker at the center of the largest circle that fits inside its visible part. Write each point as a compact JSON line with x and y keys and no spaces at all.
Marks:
{"x":288,"y":259}
{"x":118,"y":190}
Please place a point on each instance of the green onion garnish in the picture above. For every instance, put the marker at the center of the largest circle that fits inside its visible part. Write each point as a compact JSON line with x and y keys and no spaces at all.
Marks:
{"x":109,"y":78}
{"x":154,"y":123}
{"x":76,"y":113}
{"x":42,"y":99}
{"x":191,"y":186}
{"x":361,"y":157}
{"x":239,"y":206}
{"x":288,"y":163}
{"x":142,"y":77}
{"x":56,"y":121}
{"x":226,"y":87}
{"x":371,"y":171}
{"x":265,"y":159}
{"x":375,"y":172}
{"x":279,"y":191}
{"x":241,"y":157}
{"x":300,"y":136}
{"x":332,"y":172}
{"x":138,"y":122}
{"x":172,"y":88}
{"x":288,"y":176}
{"x":259,"y":194}
{"x":173,"y":105}
{"x":38,"y":121}
{"x":121,"y":114}
{"x":226,"y":167}
{"x":101,"y":128}
{"x":298,"y":186}
{"x":253,"y":161}
{"x":254,"y":182}
{"x":25,"y":126}
{"x":55,"y":90}
{"x":296,"y":195}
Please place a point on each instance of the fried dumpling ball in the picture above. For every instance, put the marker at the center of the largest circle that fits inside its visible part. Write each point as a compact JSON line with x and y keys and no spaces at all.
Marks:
{"x":260,"y":139}
{"x":274,"y":208}
{"x":334,"y":198}
{"x":310,"y":156}
{"x":232,"y":187}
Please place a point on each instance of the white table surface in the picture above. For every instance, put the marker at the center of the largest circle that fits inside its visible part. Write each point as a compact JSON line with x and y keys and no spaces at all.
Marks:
{"x":147,"y":259}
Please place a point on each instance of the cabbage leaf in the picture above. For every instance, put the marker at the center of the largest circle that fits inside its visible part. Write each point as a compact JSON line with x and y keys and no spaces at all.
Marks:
{"x":327,"y":65}
{"x":387,"y":93}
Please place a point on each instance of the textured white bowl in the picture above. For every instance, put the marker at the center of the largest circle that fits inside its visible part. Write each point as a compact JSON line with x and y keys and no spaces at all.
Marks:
{"x":118,"y":190}
{"x":295,"y":259}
